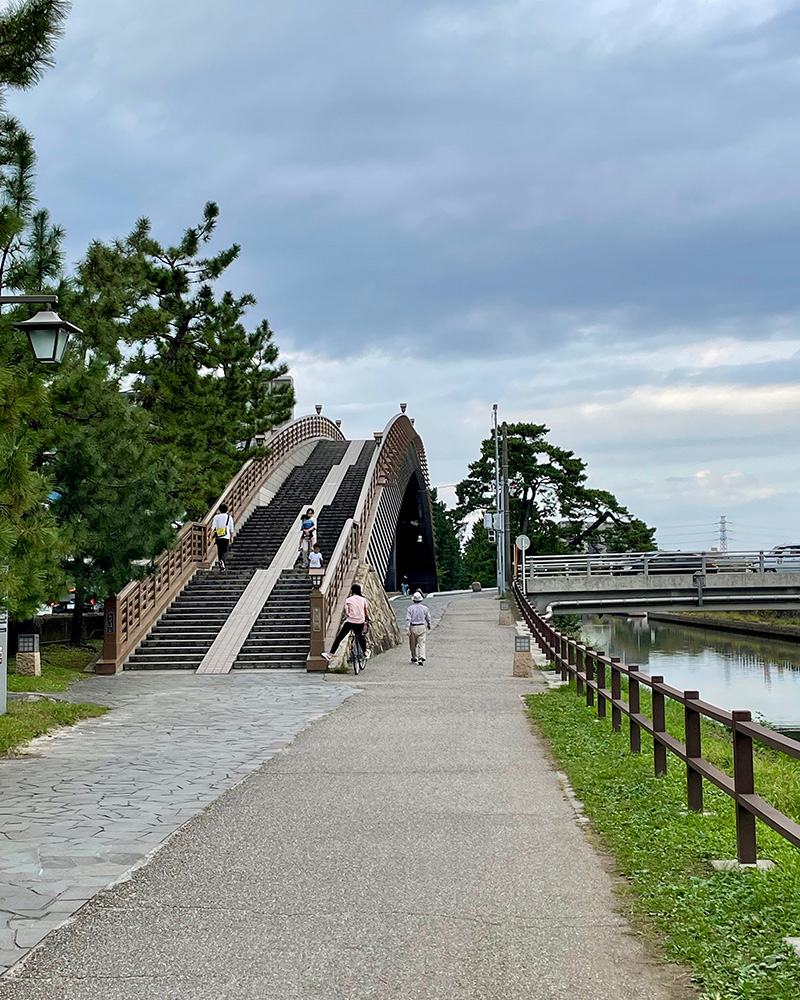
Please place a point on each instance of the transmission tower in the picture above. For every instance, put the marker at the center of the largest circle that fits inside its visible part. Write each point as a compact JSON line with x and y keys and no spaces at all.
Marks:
{"x":723,"y":533}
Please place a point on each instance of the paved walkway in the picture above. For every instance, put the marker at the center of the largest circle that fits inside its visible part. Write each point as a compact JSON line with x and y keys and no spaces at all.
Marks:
{"x":413,"y":844}
{"x":92,"y":802}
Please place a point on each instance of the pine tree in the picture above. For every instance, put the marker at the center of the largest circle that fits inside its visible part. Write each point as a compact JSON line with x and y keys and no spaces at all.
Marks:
{"x":207,"y":383}
{"x":480,"y":557}
{"x":449,"y":563}
{"x":114,"y":490}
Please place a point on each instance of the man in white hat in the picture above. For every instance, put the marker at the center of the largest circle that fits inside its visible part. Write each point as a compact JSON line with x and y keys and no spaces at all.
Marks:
{"x":418,"y":622}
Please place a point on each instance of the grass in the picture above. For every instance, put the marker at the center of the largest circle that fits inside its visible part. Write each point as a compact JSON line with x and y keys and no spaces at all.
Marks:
{"x":727,"y":927}
{"x":61,"y":666}
{"x":764,"y":617}
{"x":26,"y":719}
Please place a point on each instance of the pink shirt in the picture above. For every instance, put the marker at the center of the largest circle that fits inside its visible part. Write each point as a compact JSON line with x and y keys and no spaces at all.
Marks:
{"x":355,"y":608}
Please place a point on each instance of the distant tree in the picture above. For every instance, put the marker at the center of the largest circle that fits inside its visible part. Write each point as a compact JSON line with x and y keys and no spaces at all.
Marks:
{"x":449,"y":563}
{"x":480,"y":557}
{"x":547,"y":488}
{"x":635,"y":536}
{"x":207,"y":383}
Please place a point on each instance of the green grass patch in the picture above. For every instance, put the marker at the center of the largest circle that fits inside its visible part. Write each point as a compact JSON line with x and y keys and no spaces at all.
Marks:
{"x":767,"y":617}
{"x":727,"y":927}
{"x":26,"y":719}
{"x":61,"y":666}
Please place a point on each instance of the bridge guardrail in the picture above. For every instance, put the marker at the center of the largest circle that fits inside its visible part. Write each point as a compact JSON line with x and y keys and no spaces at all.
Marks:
{"x":589,"y":669}
{"x":394,"y":439}
{"x":131,"y":613}
{"x":656,"y":563}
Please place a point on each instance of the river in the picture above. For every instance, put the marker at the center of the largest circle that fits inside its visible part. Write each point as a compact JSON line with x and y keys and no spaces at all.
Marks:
{"x":730,"y":670}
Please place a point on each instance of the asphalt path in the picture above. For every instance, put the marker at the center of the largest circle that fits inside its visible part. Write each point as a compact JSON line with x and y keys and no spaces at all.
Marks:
{"x":414,"y":843}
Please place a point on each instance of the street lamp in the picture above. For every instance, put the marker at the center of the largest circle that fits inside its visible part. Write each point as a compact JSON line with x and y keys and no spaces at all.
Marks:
{"x":48,"y":335}
{"x":47,"y":332}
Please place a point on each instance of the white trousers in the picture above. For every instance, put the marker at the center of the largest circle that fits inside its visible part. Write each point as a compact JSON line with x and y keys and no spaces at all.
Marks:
{"x":416,"y":641}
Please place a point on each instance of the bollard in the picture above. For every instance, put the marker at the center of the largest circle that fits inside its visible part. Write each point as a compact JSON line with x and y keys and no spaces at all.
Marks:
{"x":29,"y":661}
{"x":522,"y":656}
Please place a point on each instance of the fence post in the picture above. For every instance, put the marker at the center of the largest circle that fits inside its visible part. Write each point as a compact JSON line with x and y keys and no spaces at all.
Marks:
{"x":580,"y":668}
{"x":616,"y":694}
{"x":601,"y":683}
{"x":635,"y":707}
{"x":743,"y":785}
{"x":659,"y":726}
{"x":566,"y":672}
{"x":109,"y":663}
{"x":694,"y":780}
{"x":589,"y":661}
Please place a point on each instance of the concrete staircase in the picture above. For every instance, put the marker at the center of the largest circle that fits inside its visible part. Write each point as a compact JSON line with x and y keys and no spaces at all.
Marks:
{"x":185,"y":633}
{"x":280,"y":636}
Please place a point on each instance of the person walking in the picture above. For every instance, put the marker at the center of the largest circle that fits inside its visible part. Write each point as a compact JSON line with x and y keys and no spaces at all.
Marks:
{"x":356,"y":620}
{"x":224,"y":530}
{"x":307,"y":530}
{"x":418,"y":623}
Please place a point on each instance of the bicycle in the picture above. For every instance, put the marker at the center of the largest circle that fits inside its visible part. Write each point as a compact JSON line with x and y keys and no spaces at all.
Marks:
{"x":355,"y":656}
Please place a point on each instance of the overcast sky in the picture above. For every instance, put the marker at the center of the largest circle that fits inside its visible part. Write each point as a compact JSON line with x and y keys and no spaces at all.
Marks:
{"x":587,"y":211}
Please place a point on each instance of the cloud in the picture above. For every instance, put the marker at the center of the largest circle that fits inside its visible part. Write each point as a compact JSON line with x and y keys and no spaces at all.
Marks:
{"x":587,"y":211}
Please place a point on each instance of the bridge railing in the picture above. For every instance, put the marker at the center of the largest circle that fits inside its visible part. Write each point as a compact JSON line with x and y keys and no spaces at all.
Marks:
{"x":131,"y":613}
{"x":592,"y":670}
{"x":659,"y":563}
{"x":393,"y":441}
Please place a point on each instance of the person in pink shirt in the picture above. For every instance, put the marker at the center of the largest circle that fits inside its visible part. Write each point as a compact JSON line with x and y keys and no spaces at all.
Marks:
{"x":356,"y":619}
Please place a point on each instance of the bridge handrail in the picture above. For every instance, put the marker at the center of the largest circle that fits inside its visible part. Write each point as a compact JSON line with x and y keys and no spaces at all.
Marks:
{"x":393,"y":441}
{"x":587,"y":666}
{"x":656,"y":562}
{"x":134,"y":610}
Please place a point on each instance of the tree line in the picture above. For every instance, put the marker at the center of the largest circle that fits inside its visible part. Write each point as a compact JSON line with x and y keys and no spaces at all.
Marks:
{"x":549,"y":501}
{"x":158,"y":401}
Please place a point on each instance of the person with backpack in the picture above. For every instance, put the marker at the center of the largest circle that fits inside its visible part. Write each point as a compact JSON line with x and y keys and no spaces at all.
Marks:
{"x":224,"y":530}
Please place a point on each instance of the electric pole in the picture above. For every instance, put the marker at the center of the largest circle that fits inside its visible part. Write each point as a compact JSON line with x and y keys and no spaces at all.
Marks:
{"x":497,"y":519}
{"x":507,"y":564}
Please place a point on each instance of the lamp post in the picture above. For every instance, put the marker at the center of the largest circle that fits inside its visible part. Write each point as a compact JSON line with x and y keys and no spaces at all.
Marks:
{"x":48,"y":335}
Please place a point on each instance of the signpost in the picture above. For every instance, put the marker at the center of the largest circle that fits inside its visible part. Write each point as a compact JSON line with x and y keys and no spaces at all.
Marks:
{"x":523,"y":543}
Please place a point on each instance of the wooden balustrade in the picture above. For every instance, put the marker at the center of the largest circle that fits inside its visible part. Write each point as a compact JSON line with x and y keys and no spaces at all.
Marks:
{"x":131,"y":614}
{"x":588,"y":668}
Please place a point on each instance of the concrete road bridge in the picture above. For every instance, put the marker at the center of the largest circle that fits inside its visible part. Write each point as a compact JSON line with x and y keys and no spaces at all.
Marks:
{"x":374,"y":524}
{"x":635,"y":582}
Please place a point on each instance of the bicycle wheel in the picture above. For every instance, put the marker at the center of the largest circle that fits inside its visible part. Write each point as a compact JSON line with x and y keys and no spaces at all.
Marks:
{"x":354,"y":655}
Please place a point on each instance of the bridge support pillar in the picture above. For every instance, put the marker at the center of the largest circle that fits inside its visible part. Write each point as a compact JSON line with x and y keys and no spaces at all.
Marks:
{"x":315,"y":661}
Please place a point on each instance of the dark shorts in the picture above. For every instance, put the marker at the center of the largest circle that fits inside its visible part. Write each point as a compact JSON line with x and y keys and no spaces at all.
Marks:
{"x":222,"y":546}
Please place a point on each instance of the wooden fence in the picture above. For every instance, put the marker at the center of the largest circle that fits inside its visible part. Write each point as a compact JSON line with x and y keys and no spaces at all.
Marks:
{"x":592,"y":670}
{"x":129,"y":615}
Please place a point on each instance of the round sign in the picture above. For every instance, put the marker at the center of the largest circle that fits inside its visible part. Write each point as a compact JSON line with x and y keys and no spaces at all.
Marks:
{"x":522,"y":542}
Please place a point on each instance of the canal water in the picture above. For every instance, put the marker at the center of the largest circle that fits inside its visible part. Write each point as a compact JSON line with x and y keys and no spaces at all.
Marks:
{"x":730,"y":670}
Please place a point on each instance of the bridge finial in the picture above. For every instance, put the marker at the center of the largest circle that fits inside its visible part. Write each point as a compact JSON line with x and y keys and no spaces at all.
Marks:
{"x":403,"y":407}
{"x":318,"y":408}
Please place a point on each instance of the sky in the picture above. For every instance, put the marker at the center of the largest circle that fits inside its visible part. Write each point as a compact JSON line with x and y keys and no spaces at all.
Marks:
{"x":585,"y":211}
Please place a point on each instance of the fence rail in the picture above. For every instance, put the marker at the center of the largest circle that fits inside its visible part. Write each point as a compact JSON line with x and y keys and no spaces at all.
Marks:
{"x":130,"y":614}
{"x":662,"y":563}
{"x":591,"y":670}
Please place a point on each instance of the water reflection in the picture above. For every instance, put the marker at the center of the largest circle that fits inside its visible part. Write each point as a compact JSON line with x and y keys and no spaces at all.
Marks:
{"x":732,"y":671}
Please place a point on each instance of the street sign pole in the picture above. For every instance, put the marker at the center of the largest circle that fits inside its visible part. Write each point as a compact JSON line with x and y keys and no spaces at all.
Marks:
{"x":523,"y":543}
{"x":3,"y":660}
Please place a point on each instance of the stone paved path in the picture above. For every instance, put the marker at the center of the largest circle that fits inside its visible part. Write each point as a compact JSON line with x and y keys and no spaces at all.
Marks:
{"x":98,"y":798}
{"x":415,"y":844}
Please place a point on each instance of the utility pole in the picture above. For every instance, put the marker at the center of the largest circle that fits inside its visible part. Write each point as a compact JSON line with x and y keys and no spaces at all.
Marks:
{"x":723,"y":533}
{"x":507,"y":564}
{"x":497,"y":520}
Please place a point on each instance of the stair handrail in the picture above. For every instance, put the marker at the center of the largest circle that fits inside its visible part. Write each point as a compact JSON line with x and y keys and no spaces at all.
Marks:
{"x":130,"y":614}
